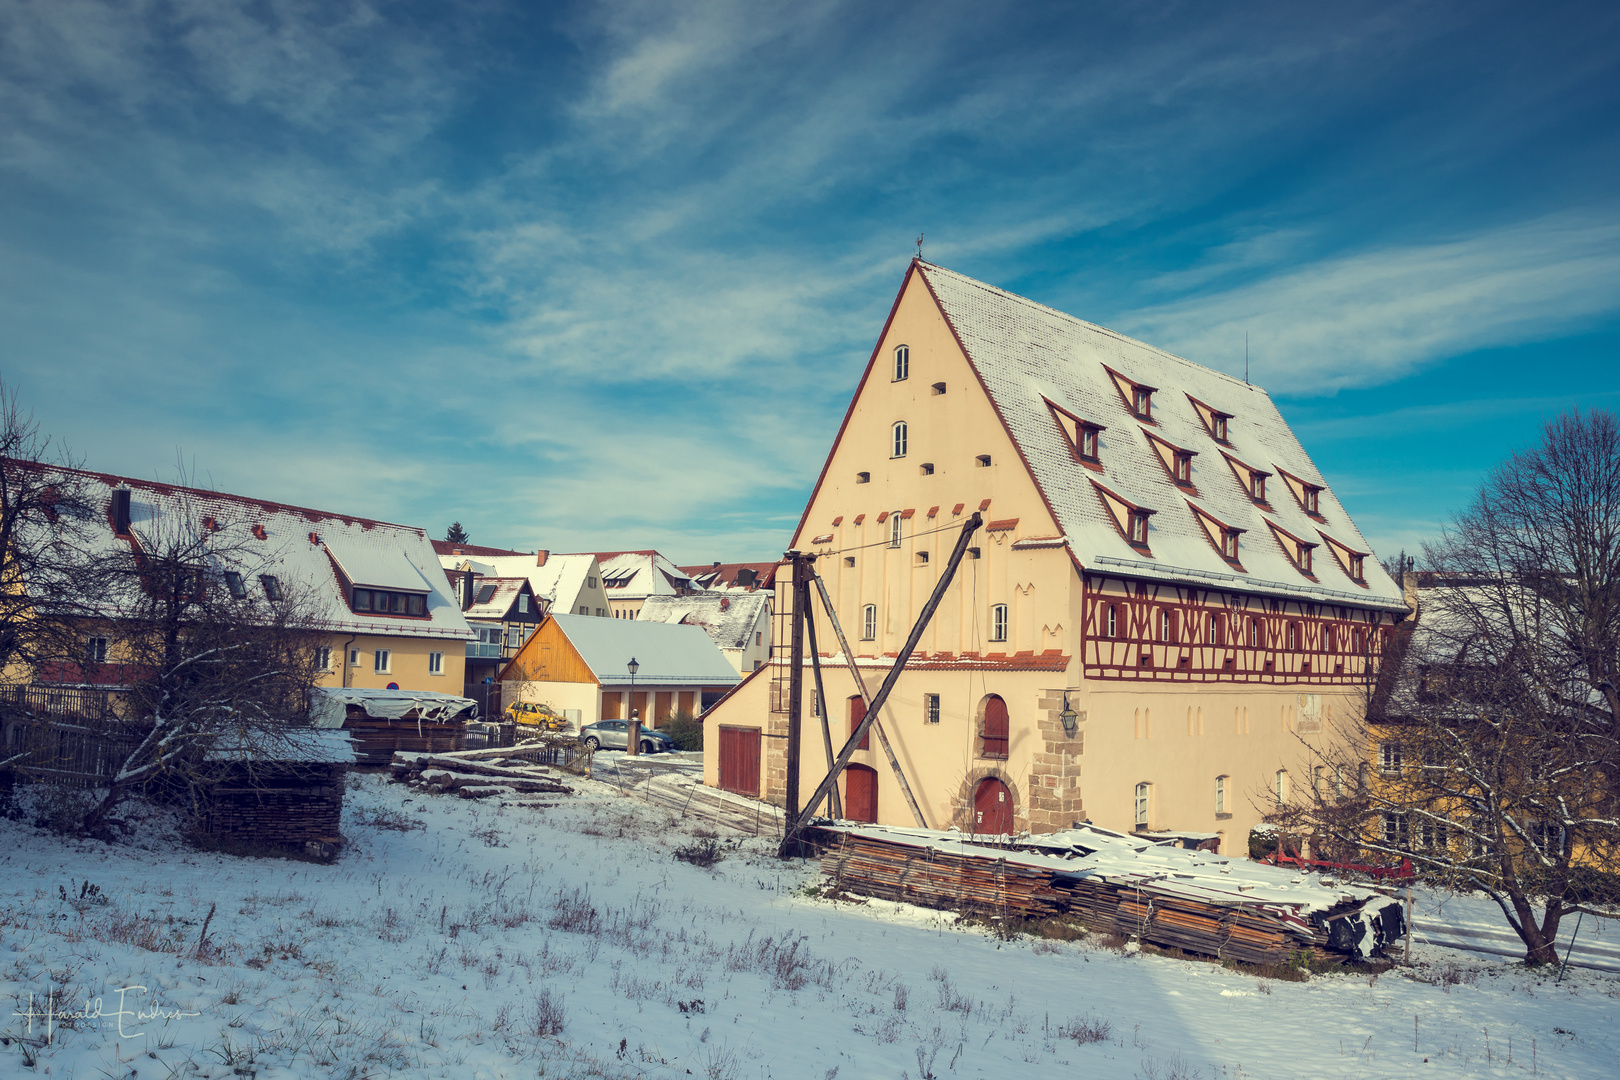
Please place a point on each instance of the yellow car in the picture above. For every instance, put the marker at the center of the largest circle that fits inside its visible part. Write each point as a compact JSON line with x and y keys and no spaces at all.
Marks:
{"x":533,"y":714}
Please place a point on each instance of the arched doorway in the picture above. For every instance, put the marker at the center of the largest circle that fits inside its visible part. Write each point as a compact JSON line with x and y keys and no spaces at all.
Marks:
{"x":992,"y":808}
{"x":860,"y":793}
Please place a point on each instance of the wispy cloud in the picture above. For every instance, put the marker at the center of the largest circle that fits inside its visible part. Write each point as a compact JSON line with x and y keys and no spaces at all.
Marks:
{"x":1373,"y":316}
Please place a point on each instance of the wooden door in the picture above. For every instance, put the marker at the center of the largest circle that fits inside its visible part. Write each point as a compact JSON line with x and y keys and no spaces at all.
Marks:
{"x":992,"y":807}
{"x":860,"y":793}
{"x":857,"y":713}
{"x":996,"y":728}
{"x":739,"y":760}
{"x":661,"y":707}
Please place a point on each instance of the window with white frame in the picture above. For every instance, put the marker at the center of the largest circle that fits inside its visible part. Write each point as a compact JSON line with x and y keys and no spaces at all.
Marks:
{"x":323,"y":657}
{"x":899,"y":444}
{"x":1112,"y":620}
{"x":1433,"y":835}
{"x":1164,"y":625}
{"x":931,"y":708}
{"x":523,"y":603}
{"x":354,"y":657}
{"x":1395,"y":830}
{"x":869,"y":622}
{"x":1142,"y":791}
{"x":95,"y":651}
{"x":1220,"y":794}
{"x":894,"y":529}
{"x":1279,"y":786}
{"x":1390,"y":758}
{"x":380,"y":660}
{"x":998,"y":622}
{"x":902,"y":362}
{"x":435,"y":663}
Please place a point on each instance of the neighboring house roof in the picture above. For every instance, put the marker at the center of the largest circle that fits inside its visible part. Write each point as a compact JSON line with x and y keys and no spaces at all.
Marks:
{"x":629,"y":574}
{"x":557,"y":582}
{"x":445,"y":547}
{"x":728,"y":618}
{"x":314,"y":550}
{"x":667,"y":655}
{"x":1029,"y":358}
{"x":495,"y":597}
{"x":758,"y":575}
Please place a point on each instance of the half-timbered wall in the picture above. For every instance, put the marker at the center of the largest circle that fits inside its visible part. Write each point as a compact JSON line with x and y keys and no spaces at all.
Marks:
{"x":1144,"y":630}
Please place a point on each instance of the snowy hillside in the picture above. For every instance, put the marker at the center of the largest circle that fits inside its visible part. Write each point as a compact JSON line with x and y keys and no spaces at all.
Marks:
{"x":568,"y":941}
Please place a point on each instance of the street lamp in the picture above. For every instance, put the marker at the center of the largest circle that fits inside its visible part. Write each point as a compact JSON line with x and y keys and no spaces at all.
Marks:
{"x":1070,"y":718}
{"x":633,"y":727}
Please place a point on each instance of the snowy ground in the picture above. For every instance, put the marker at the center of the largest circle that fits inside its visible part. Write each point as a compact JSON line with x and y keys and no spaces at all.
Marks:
{"x":569,"y":942}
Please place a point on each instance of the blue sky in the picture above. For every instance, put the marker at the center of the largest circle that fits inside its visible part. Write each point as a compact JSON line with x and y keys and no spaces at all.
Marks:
{"x":604,"y":275}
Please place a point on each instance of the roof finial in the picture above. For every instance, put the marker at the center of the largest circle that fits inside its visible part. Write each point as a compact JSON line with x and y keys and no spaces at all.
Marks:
{"x":919,"y":246}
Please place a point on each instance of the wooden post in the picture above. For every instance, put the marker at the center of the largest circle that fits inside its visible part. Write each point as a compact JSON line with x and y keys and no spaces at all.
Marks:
{"x":795,"y":687}
{"x":791,"y":828}
{"x":866,"y":696}
{"x":1409,"y":926}
{"x":821,"y":704}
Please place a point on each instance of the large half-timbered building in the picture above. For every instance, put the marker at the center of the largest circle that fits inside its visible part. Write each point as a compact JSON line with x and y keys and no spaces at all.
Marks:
{"x":1159,"y":554}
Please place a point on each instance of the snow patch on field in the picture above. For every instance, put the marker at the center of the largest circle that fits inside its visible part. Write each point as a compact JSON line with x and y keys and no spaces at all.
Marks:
{"x":462,"y":940}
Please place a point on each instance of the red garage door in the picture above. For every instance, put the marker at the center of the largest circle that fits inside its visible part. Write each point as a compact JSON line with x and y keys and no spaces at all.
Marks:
{"x":860,"y":793}
{"x":739,"y":760}
{"x":992,"y":807}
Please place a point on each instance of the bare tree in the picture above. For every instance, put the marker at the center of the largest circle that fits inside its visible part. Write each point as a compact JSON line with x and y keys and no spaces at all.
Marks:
{"x":1490,"y":753}
{"x":49,"y":575}
{"x":222,"y":650}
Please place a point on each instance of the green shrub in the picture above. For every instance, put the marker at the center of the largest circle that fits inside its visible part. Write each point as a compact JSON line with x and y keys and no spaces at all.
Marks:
{"x":686,"y":730}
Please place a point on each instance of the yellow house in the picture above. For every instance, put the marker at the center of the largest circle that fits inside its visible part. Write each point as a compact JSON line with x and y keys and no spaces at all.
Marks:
{"x":1158,"y":554}
{"x":376,"y":587}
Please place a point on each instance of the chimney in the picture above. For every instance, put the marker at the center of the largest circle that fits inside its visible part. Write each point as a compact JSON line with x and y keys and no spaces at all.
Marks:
{"x":120,"y":511}
{"x":315,"y":538}
{"x":725,"y":603}
{"x":259,"y":533}
{"x":541,"y":556}
{"x":716,"y":564}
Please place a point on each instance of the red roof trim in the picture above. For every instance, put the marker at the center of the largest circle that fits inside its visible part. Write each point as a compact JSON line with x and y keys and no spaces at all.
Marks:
{"x":884,"y":516}
{"x":957,"y":509}
{"x":858,"y":517}
{"x":933,"y":511}
{"x":837,"y":521}
{"x":983,"y":506}
{"x":906,"y":515}
{"x":1004,"y":525}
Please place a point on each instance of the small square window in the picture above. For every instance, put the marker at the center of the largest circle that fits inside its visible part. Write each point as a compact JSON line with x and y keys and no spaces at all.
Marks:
{"x":435,"y":663}
{"x":354,"y":657}
{"x":849,"y":560}
{"x":982,"y":461}
{"x":863,"y":478}
{"x":973,"y":553}
{"x":939,"y":388}
{"x":922,"y":558}
{"x":927,"y":468}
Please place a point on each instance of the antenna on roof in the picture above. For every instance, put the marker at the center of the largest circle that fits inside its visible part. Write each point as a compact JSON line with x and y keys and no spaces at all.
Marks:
{"x":1245,"y":358}
{"x":919,"y":246}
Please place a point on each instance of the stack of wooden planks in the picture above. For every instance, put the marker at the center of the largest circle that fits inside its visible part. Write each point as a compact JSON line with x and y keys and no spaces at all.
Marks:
{"x":1190,"y":901}
{"x":478,"y":774}
{"x":940,"y":879}
{"x":277,"y":805}
{"x":378,"y":739}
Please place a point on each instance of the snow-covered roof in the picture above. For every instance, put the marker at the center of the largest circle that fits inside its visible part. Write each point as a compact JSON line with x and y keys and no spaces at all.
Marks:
{"x":1029,"y":356}
{"x":631,"y":574}
{"x":757,"y":575}
{"x":305,"y":550}
{"x":667,"y":655}
{"x":558,"y":582}
{"x":728,"y":617}
{"x":494,"y":597}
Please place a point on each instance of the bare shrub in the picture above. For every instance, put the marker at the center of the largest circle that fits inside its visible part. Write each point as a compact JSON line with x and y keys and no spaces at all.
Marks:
{"x":575,"y":914}
{"x":547,"y":1019}
{"x":1086,"y":1029}
{"x":701,"y":853}
{"x":384,"y":818}
{"x":1175,"y":1067}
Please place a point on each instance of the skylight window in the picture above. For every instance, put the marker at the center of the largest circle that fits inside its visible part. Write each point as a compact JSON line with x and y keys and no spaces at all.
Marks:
{"x":235,"y":585}
{"x":272,"y":586}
